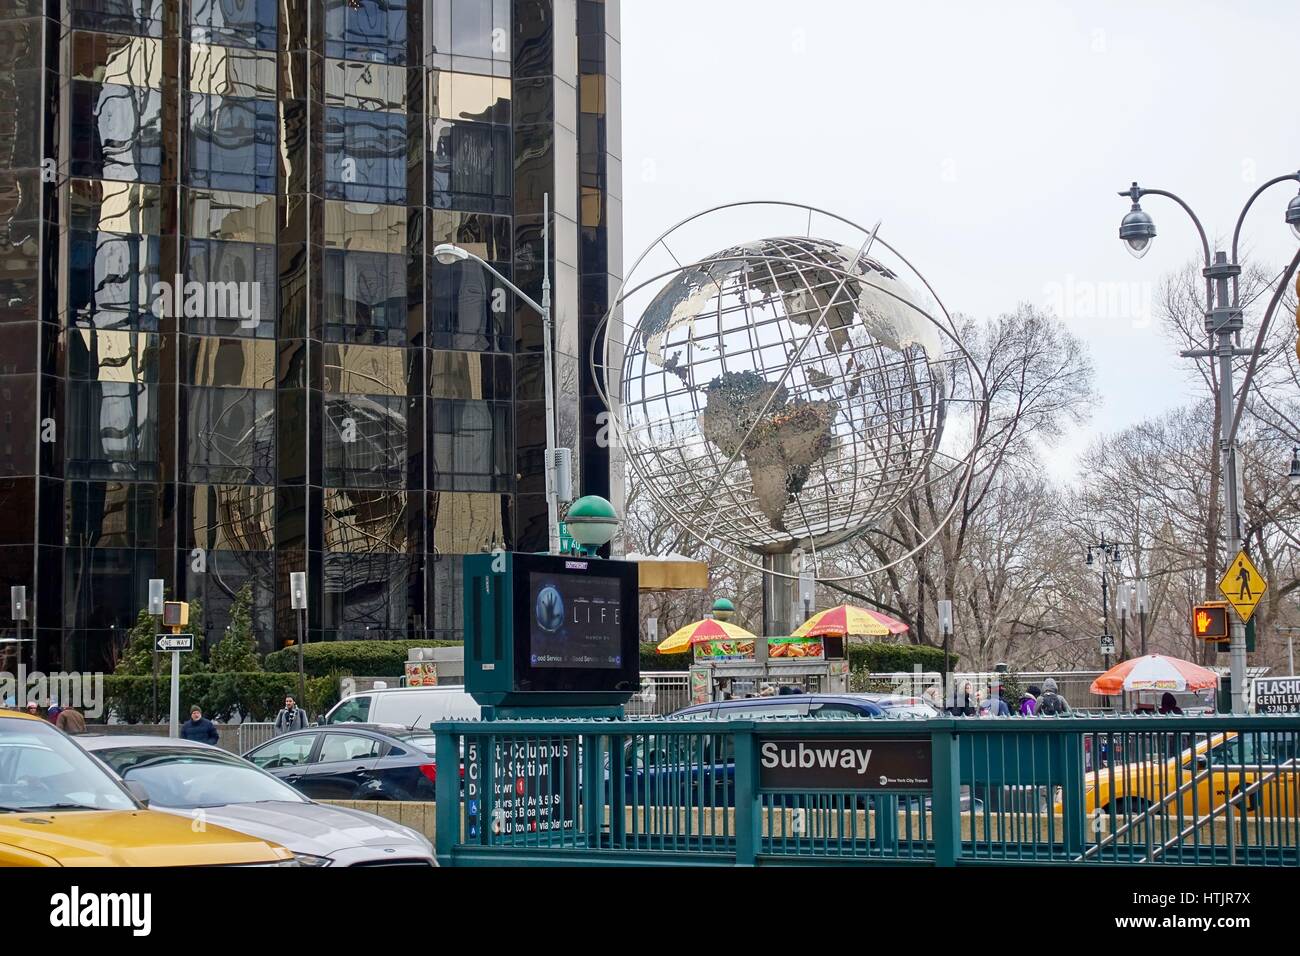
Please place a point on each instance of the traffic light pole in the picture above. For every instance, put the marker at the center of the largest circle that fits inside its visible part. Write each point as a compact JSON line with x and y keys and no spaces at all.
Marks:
{"x":1223,"y":321}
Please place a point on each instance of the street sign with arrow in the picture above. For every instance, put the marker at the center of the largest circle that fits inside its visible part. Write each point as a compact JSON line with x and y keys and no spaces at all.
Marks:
{"x":174,"y":642}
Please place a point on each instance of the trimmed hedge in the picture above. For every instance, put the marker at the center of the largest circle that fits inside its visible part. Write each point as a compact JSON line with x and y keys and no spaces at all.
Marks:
{"x":349,"y":658}
{"x":652,"y":660}
{"x":257,"y":696}
{"x":876,"y":657}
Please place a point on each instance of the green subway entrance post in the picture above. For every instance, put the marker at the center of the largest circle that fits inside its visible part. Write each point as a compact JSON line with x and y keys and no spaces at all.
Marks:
{"x":547,"y":636}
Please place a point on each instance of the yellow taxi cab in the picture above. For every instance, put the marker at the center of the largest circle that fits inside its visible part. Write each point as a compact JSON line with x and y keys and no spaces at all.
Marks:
{"x":1203,"y":777}
{"x":61,"y":807}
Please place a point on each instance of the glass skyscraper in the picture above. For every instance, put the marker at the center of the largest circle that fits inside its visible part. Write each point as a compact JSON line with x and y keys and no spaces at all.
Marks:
{"x":226,"y":350}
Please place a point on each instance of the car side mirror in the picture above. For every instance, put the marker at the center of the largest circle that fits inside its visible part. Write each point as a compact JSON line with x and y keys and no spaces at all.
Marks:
{"x":139,"y":791}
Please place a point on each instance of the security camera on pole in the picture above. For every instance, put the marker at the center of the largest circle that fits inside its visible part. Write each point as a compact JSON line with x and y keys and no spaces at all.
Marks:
{"x":298,"y":598}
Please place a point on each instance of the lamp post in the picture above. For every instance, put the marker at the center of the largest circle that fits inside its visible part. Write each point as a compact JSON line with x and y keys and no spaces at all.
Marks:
{"x":298,"y":600}
{"x":558,"y":461}
{"x":1223,"y":321}
{"x":1143,"y":606}
{"x":1109,"y":554}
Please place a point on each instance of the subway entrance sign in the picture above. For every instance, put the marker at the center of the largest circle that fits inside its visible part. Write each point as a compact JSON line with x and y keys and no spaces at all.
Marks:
{"x":553,"y":635}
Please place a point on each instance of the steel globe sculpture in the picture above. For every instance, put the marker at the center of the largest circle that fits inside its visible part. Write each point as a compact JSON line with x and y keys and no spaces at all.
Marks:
{"x":787,"y":393}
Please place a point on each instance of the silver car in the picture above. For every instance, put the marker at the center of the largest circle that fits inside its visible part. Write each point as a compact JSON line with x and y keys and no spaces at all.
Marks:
{"x":207,"y":783}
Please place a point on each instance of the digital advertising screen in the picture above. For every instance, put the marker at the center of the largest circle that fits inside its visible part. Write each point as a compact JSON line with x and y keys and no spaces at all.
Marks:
{"x":576,"y":621}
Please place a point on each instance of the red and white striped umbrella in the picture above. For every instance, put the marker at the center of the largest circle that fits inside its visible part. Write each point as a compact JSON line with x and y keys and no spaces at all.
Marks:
{"x":1154,"y":672}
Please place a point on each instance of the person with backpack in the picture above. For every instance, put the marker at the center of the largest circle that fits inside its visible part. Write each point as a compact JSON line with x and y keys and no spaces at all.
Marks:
{"x":1051,"y":703}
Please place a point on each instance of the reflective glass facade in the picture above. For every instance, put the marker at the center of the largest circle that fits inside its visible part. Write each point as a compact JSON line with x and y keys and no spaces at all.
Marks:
{"x":226,"y":351}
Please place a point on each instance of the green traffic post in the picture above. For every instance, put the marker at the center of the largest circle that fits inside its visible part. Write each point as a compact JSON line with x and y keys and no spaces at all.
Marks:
{"x":749,"y":819}
{"x":447,"y":809}
{"x":946,"y":802}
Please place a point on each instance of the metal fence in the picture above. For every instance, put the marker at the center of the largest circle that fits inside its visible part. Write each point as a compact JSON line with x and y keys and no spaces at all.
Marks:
{"x":951,"y":791}
{"x":252,"y":734}
{"x":662,"y":693}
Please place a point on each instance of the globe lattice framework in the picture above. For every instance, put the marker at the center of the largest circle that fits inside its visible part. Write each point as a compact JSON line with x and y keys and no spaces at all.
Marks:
{"x":786,"y":393}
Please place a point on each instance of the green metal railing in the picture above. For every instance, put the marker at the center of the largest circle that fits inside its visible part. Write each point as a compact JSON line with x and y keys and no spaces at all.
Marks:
{"x":1067,"y":790}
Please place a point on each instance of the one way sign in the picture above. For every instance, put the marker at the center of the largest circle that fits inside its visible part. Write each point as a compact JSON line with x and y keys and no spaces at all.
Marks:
{"x":174,"y":642}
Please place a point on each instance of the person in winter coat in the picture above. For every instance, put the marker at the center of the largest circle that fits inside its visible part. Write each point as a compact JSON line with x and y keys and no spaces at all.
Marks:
{"x":291,"y":717}
{"x":199,"y":728}
{"x":1051,"y":703}
{"x":70,"y":721}
{"x":1029,"y":703}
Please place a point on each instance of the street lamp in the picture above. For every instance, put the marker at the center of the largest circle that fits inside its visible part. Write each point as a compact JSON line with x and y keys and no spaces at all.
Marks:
{"x":1108,"y":555}
{"x":1294,"y":474}
{"x":1223,"y":321}
{"x":591,"y":522}
{"x":558,"y":460}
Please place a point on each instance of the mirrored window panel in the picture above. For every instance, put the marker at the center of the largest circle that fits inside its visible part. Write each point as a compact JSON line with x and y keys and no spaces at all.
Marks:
{"x":140,"y":17}
{"x":116,"y":132}
{"x":230,"y":435}
{"x":371,"y":30}
{"x":232,"y":517}
{"x":239,"y":283}
{"x":111,"y":514}
{"x":112,"y":430}
{"x":365,"y":297}
{"x":368,"y":596}
{"x":471,"y":167}
{"x":129,"y":208}
{"x":475,"y":35}
{"x":471,"y":445}
{"x":112,"y":356}
{"x":364,"y":520}
{"x":364,"y":369}
{"x":124,"y":60}
{"x":247,"y":576}
{"x":365,"y":155}
{"x":247,"y":23}
{"x":232,"y":142}
{"x":112,"y":280}
{"x":365,"y":441}
{"x":470,"y":310}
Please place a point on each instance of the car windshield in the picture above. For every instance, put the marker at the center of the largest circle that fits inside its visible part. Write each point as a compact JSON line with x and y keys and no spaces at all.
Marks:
{"x":41,"y":769}
{"x":187,"y":779}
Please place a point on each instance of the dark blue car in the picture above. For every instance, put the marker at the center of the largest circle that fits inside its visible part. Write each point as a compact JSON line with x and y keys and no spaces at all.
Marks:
{"x":700,"y":770}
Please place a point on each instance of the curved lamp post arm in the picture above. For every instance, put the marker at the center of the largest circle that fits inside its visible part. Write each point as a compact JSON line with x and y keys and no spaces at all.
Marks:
{"x":1259,"y":341}
{"x":1137,"y":192}
{"x":1236,"y":233}
{"x":527,"y":299}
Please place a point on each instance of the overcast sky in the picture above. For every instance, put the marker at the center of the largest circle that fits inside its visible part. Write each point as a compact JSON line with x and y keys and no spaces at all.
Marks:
{"x":990,"y":139}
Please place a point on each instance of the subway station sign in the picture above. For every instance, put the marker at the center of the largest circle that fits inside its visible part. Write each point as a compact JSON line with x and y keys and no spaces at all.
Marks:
{"x":863,"y":764}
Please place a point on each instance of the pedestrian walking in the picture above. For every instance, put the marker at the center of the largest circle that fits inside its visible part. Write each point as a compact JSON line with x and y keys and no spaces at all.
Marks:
{"x":1029,"y":703}
{"x":1051,"y":703}
{"x":291,"y":717}
{"x":70,"y":721}
{"x":199,"y":728}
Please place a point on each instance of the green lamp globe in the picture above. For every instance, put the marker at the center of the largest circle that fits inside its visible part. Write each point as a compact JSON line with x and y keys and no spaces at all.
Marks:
{"x":591,"y":521}
{"x":723,"y":609}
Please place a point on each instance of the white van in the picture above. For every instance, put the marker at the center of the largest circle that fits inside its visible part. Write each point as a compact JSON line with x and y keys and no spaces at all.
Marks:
{"x":406,"y":706}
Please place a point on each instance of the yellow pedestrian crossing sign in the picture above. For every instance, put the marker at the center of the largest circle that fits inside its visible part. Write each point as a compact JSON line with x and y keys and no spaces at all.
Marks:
{"x":1243,"y":585}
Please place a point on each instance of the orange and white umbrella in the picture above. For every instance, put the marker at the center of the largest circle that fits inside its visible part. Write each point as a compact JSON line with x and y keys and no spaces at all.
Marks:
{"x":850,"y":621}
{"x":698,"y":632}
{"x":1154,"y":672}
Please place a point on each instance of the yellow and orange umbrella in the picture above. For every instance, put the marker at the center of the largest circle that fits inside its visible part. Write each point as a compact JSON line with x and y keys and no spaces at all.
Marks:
{"x":700,"y":631}
{"x":850,"y":621}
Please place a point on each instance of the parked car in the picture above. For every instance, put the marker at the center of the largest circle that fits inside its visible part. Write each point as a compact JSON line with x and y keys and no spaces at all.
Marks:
{"x":353,"y":762}
{"x":185,"y":777}
{"x":59,"y":806}
{"x":660,"y":768}
{"x":405,"y":707}
{"x":823,"y":706}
